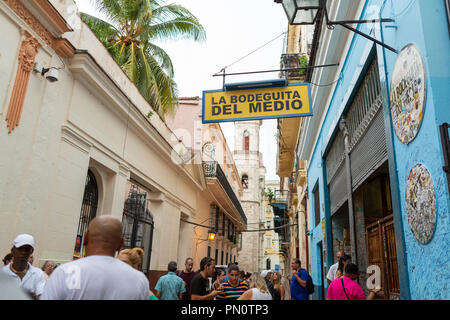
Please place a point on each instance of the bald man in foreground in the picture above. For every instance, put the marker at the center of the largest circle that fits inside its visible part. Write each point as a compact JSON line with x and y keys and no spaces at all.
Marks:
{"x":99,"y":276}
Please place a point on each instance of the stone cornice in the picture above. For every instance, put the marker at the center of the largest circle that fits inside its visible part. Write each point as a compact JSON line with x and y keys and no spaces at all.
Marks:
{"x":48,"y":16}
{"x":45,"y":21}
{"x":70,"y":136}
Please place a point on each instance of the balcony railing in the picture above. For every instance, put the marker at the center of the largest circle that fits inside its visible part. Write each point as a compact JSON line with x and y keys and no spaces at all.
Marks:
{"x":280,"y":196}
{"x":212,"y":169}
{"x":294,"y":60}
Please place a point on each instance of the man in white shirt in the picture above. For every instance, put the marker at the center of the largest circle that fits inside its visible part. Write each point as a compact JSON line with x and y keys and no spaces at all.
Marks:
{"x":26,"y":277}
{"x":99,"y":276}
{"x":331,"y":275}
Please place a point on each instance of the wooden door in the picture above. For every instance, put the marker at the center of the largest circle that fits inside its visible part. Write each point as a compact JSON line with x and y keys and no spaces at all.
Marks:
{"x":381,"y":251}
{"x":391,"y":266}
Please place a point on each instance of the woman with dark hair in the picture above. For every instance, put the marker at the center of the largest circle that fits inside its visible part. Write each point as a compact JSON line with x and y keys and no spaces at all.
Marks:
{"x":343,"y":261}
{"x":220,"y":279}
{"x":7,"y":259}
{"x":346,"y":288}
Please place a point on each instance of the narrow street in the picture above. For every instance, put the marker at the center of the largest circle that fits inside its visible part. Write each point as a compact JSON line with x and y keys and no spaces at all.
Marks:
{"x":224,"y":150}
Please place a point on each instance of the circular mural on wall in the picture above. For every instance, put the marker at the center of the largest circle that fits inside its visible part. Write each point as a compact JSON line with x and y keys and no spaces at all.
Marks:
{"x":421,"y":203}
{"x":408,"y":93}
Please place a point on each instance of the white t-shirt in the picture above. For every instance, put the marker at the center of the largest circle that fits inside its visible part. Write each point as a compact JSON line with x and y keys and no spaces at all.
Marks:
{"x":33,"y":281}
{"x":331,"y":275}
{"x":258,"y":295}
{"x":96,"y":278}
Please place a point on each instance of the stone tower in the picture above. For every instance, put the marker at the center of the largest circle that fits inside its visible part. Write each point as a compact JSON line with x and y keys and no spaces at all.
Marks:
{"x":251,"y":170}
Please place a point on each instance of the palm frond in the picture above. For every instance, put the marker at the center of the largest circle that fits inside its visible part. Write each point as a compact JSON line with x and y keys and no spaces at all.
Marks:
{"x":162,"y":57}
{"x":102,"y":29}
{"x":178,"y":28}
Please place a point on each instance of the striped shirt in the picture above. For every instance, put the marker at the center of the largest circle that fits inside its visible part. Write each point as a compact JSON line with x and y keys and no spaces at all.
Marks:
{"x":232,"y":293}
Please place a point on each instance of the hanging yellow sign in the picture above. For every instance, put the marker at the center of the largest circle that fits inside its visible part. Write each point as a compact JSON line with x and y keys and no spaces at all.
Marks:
{"x":289,"y":101}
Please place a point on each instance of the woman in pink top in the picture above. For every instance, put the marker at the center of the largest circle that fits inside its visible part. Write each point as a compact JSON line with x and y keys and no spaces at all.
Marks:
{"x":346,"y":288}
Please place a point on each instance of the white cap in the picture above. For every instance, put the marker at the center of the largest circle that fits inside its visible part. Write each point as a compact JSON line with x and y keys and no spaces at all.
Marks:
{"x":264,"y":273}
{"x":22,"y":240}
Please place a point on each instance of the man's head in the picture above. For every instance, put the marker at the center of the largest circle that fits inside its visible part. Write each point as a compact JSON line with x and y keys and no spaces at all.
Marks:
{"x":104,"y":236}
{"x":344,"y":260}
{"x":351,"y":270}
{"x":208,"y":265}
{"x":189,"y":264}
{"x":233,"y":274}
{"x":296,"y":264}
{"x":172,"y":266}
{"x":23,"y":248}
{"x":339,"y":254}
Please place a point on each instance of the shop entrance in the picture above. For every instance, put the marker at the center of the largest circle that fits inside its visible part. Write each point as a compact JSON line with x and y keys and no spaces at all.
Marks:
{"x":379,"y":230}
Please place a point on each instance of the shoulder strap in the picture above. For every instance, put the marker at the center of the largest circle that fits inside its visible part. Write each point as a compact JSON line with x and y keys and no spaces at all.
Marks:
{"x":342,"y":281}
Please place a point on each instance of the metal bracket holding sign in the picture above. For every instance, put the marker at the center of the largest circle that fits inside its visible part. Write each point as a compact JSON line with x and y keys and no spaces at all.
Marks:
{"x":257,"y":100}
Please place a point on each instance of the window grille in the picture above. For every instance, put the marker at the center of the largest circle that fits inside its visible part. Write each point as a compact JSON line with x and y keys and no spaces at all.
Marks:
{"x":138,"y":223}
{"x":88,"y":212}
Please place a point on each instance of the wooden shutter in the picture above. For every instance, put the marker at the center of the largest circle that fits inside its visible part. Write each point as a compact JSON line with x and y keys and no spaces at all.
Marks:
{"x":246,"y":143}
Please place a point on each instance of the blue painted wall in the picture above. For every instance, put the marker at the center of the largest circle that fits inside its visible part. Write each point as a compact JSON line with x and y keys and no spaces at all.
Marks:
{"x":423,"y":23}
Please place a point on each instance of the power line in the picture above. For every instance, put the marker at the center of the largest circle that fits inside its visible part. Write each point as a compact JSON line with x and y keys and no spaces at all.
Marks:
{"x":223,"y":69}
{"x":255,"y":230}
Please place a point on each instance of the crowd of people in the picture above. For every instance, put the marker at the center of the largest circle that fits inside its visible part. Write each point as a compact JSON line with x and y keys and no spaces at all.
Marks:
{"x":103,"y":276}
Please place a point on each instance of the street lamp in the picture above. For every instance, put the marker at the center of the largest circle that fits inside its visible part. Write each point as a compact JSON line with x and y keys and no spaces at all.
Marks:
{"x":211,"y":234}
{"x":301,"y":12}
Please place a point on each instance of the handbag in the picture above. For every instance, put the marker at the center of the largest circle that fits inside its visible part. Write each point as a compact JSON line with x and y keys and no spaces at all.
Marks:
{"x":342,"y":281}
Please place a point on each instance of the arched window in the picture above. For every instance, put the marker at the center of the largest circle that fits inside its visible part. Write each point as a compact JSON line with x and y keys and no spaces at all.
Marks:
{"x":245,"y":181}
{"x":246,"y":140}
{"x":88,"y":212}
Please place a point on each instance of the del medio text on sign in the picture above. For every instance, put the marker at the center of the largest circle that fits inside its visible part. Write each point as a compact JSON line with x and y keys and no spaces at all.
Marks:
{"x":253,"y":104}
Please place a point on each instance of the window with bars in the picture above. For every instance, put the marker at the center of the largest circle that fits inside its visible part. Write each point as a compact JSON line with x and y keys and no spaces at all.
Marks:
{"x":88,"y":212}
{"x":138,"y":223}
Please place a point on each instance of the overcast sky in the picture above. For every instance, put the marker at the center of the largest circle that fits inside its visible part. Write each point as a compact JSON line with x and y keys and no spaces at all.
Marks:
{"x":234,"y":28}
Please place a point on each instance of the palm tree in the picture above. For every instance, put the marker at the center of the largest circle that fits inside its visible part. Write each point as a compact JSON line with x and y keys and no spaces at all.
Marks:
{"x":129,"y":32}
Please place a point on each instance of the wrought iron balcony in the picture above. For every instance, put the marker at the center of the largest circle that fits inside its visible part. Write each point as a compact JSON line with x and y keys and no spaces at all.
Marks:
{"x":280,"y":196}
{"x":212,"y":169}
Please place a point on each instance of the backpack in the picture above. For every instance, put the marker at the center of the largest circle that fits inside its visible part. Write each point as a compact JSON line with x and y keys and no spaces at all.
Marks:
{"x":309,"y":284}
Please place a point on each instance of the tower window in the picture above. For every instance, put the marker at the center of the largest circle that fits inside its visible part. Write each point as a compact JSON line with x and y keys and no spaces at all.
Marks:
{"x":245,"y":181}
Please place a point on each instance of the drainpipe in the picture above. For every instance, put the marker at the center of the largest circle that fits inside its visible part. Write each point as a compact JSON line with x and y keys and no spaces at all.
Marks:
{"x":351,"y":217}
